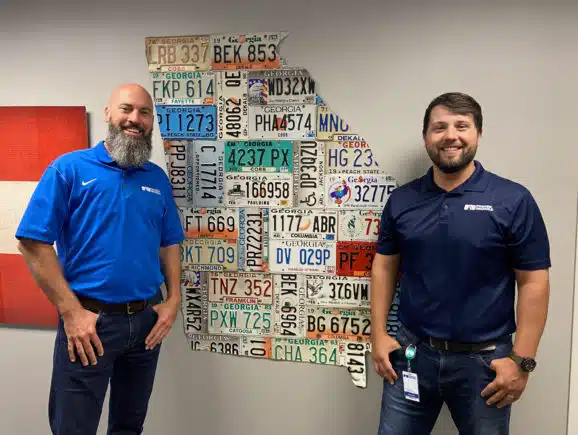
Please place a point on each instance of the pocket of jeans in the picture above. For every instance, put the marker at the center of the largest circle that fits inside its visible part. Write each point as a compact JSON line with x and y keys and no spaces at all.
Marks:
{"x":502,"y":350}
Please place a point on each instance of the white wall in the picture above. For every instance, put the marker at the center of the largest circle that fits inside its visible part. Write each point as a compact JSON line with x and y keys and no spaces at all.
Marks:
{"x":378,"y":64}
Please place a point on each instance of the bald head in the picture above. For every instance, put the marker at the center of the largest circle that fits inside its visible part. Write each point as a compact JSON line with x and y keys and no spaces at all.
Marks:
{"x":129,"y":114}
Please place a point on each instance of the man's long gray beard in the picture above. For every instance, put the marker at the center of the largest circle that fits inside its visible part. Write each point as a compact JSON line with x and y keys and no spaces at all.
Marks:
{"x":128,"y":151}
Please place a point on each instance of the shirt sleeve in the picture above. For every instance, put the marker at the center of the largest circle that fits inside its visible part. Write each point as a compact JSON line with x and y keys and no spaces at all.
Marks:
{"x":528,"y":242}
{"x":172,"y":227}
{"x":47,"y":209}
{"x":387,"y":240}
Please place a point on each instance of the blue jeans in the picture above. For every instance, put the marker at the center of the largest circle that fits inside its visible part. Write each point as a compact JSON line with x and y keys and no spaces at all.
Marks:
{"x":77,"y":393}
{"x":454,"y":378}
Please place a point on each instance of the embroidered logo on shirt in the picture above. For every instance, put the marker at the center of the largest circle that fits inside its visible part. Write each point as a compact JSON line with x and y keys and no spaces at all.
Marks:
{"x":478,"y":207}
{"x":84,"y":183}
{"x":151,"y":190}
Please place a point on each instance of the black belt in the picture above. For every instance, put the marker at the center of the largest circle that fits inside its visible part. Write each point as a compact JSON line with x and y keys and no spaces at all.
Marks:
{"x":454,"y":346}
{"x":97,"y":306}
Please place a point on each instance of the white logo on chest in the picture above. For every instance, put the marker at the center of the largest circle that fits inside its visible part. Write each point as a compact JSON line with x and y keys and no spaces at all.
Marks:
{"x":84,"y":183}
{"x":478,"y":207}
{"x":150,"y":189}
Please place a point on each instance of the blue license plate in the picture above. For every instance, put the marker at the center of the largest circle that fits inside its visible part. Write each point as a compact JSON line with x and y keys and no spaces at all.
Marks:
{"x":187,"y":122}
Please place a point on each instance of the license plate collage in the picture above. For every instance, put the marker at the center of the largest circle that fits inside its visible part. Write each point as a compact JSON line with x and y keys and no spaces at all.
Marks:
{"x":279,"y":198}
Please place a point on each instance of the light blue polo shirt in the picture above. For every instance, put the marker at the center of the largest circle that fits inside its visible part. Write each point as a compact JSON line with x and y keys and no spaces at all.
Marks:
{"x":108,"y":223}
{"x":458,"y":252}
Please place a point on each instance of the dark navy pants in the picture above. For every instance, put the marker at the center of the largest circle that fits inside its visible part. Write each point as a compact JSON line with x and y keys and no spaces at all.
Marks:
{"x":454,"y":378}
{"x":77,"y":393}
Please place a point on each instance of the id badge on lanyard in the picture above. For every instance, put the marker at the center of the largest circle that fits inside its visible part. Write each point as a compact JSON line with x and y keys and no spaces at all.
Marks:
{"x":410,"y":379}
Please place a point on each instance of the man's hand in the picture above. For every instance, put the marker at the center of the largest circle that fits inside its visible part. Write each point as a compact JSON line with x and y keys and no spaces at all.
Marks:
{"x":80,"y":328}
{"x":509,"y":384}
{"x":167,"y":313}
{"x":382,"y":346}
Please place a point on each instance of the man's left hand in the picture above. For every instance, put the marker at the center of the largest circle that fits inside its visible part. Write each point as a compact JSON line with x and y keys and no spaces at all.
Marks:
{"x":167,"y":313}
{"x":509,"y":384}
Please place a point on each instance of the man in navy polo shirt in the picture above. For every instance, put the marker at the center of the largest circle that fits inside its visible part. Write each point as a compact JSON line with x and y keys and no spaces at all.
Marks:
{"x":117,"y":233}
{"x":461,"y":239}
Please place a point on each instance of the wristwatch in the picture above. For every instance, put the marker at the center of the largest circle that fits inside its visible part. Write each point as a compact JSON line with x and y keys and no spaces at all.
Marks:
{"x":526,"y":364}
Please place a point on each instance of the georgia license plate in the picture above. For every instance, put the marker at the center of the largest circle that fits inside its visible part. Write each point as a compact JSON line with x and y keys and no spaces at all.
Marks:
{"x":359,"y":191}
{"x":213,"y":223}
{"x":246,"y":51}
{"x":209,"y":254}
{"x":240,"y":318}
{"x":355,"y":361}
{"x":259,"y":156}
{"x":192,"y":309}
{"x":359,"y":225}
{"x":310,"y":174}
{"x":281,"y":86}
{"x":185,"y":87}
{"x":328,"y":124}
{"x":338,"y":323}
{"x":253,"y":239}
{"x":178,"y":53}
{"x":261,"y":190}
{"x":216,"y":343}
{"x":251,"y":288}
{"x":180,"y":171}
{"x":233,"y":105}
{"x":339,"y":291}
{"x":302,"y":256}
{"x":289,"y":305}
{"x":208,"y":173}
{"x":286,"y":121}
{"x":187,"y":122}
{"x":294,"y":224}
{"x":355,"y":258}
{"x":306,"y":350}
{"x":352,"y":156}
{"x":256,"y":347}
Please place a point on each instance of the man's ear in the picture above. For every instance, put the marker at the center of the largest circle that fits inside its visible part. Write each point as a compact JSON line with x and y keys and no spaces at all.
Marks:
{"x":106,"y":114}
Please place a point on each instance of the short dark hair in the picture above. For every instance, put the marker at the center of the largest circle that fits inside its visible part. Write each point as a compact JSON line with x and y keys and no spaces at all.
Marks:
{"x":456,"y":102}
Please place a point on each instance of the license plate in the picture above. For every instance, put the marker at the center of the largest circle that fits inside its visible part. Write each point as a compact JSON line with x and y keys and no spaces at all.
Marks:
{"x":281,"y":86}
{"x":249,"y":288}
{"x":208,"y":173}
{"x":282,"y":121}
{"x":180,"y":171}
{"x":359,"y":225}
{"x":233,"y":105}
{"x":393,"y":323}
{"x":246,"y":51}
{"x":293,"y":223}
{"x":253,"y":239}
{"x":328,"y":124}
{"x":213,"y":223}
{"x":302,"y":256}
{"x":225,"y":344}
{"x":187,"y":122}
{"x":309,"y":182}
{"x":338,"y":323}
{"x":339,"y":291}
{"x":350,"y":156}
{"x":192,"y":305}
{"x":306,"y":350}
{"x":240,"y":318}
{"x":289,"y":305}
{"x":359,"y":191}
{"x":209,"y":254}
{"x":355,"y":361}
{"x":259,"y":156}
{"x":355,"y":258}
{"x":185,"y":87}
{"x":178,"y":53}
{"x":256,"y":347}
{"x":260,"y":190}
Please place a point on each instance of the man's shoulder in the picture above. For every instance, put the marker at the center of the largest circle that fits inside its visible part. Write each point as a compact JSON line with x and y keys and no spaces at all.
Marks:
{"x":67,"y":162}
{"x":507,"y":188}
{"x":408,"y":192}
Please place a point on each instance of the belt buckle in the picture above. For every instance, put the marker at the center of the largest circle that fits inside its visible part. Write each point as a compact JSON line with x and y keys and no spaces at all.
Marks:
{"x":128,"y":310}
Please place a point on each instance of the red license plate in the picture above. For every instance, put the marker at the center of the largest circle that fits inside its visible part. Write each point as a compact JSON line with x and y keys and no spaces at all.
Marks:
{"x":355,"y":258}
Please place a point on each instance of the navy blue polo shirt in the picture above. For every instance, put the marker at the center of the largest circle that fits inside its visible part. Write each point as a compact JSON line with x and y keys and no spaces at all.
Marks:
{"x":458,"y":251}
{"x":108,"y":223}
